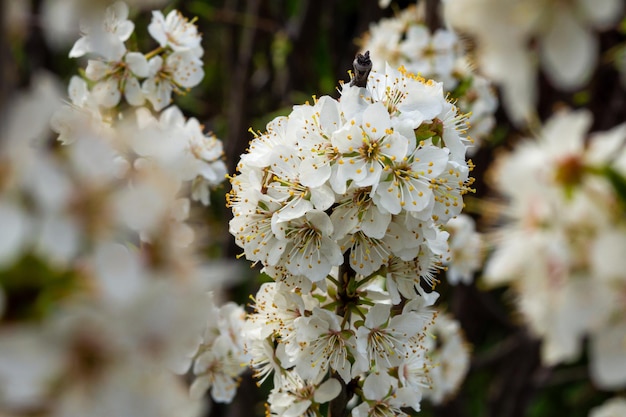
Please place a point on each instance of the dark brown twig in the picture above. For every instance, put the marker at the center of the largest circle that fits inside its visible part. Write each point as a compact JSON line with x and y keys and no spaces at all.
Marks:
{"x":362,"y":66}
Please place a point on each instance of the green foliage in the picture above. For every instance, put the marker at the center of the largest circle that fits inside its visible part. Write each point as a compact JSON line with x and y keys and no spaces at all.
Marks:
{"x":33,"y":288}
{"x":618,"y":182}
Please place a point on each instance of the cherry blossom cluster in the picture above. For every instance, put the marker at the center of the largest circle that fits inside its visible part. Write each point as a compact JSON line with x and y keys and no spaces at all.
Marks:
{"x":174,"y":66}
{"x":117,"y":295}
{"x":113,"y":72}
{"x":514,"y":37}
{"x":563,"y":247}
{"x":219,"y":359}
{"x":103,"y":299}
{"x":343,"y":202}
{"x":405,"y":40}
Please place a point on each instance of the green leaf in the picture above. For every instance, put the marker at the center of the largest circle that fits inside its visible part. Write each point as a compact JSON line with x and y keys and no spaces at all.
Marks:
{"x":33,"y":288}
{"x":618,"y":182}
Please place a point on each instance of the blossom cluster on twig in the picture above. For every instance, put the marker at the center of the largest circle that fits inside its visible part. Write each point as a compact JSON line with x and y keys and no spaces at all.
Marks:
{"x":104,"y":297}
{"x":343,"y":203}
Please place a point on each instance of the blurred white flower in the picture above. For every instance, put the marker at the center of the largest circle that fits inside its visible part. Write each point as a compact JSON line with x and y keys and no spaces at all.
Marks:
{"x":608,"y":355}
{"x":514,"y":35}
{"x":559,"y":248}
{"x":174,"y":31}
{"x":117,"y":77}
{"x":614,"y":407}
{"x":466,"y":250}
{"x":105,"y":36}
{"x":14,"y":223}
{"x":383,"y":397}
{"x":449,"y":355}
{"x":405,"y":40}
{"x":299,"y":397}
{"x":179,"y":71}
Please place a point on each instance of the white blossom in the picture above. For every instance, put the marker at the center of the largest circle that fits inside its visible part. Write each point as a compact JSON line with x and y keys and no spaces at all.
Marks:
{"x":174,"y":31}
{"x":105,"y":37}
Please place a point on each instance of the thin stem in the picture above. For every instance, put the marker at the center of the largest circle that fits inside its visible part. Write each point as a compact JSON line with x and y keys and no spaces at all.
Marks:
{"x":154,"y":52}
{"x":432,"y":15}
{"x":338,"y":406}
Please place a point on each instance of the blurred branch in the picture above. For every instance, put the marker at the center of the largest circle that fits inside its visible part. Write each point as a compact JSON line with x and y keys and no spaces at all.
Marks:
{"x":498,"y":353}
{"x":236,"y":112}
{"x":432,"y":15}
{"x":512,"y":389}
{"x":550,"y":377}
{"x":246,"y":20}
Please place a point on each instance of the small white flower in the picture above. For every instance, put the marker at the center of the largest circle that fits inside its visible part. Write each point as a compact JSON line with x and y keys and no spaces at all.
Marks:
{"x":117,"y":77}
{"x":324,"y":345}
{"x":309,"y":249}
{"x":298,"y":397}
{"x":181,"y":70}
{"x":466,"y":248}
{"x":449,"y":354}
{"x":105,"y":37}
{"x":383,"y":340}
{"x":367,"y":254}
{"x":368,"y":150}
{"x":408,"y":185}
{"x":174,"y":31}
{"x":384,"y":398}
{"x":356,"y":211}
{"x":217,"y":369}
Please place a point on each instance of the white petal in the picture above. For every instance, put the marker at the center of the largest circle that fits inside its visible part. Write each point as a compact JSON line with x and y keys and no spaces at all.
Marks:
{"x":378,"y":315}
{"x":569,"y":51}
{"x":137,"y":63}
{"x":374,"y":223}
{"x":187,"y":69}
{"x":107,"y":93}
{"x":80,"y":48}
{"x":199,"y":387}
{"x":77,"y":90}
{"x":321,"y":221}
{"x":29,"y":364}
{"x":156,"y":28}
{"x":607,"y":255}
{"x":602,"y":13}
{"x":566,"y":131}
{"x":119,"y":10}
{"x":124,"y":30}
{"x":133,"y":93}
{"x":158,"y":93}
{"x":14,"y":225}
{"x":322,"y":197}
{"x":376,"y":386}
{"x":327,"y":391}
{"x":118,"y":272}
{"x":517,"y":77}
{"x":59,"y":240}
{"x":608,"y":357}
{"x":386,"y":197}
{"x":96,"y":69}
{"x":376,"y":120}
